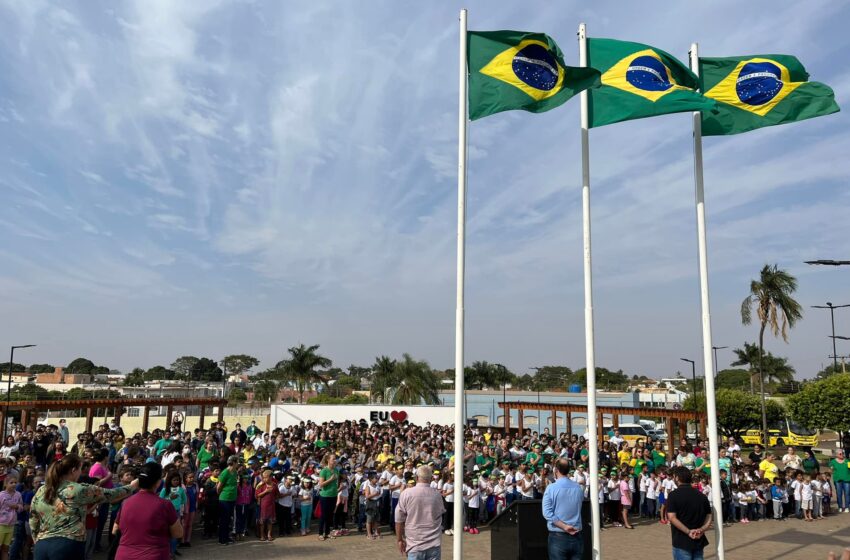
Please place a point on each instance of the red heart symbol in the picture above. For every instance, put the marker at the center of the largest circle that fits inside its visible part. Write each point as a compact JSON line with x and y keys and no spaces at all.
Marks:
{"x":398,"y":415}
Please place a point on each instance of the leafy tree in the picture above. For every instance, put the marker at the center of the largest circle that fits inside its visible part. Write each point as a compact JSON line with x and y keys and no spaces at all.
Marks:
{"x":160,"y":373}
{"x":825,"y":372}
{"x":81,"y":366}
{"x":135,"y":378}
{"x":301,"y":367}
{"x":383,"y":377}
{"x":354,"y":399}
{"x":737,"y":411}
{"x":417,"y":383}
{"x":775,"y":412}
{"x":28,"y":392}
{"x":525,"y":383}
{"x":16,"y":368}
{"x":34,"y":368}
{"x":239,"y":363}
{"x":78,"y":394}
{"x":732,"y":379}
{"x":551,"y":377}
{"x":206,"y":370}
{"x":324,"y":399}
{"x":611,"y":380}
{"x":501,"y":376}
{"x":823,"y":404}
{"x":344,"y":385}
{"x":359,"y":372}
{"x":771,"y":295}
{"x":182,"y":367}
{"x":265,"y":391}
{"x":236,"y":395}
{"x":605,"y":379}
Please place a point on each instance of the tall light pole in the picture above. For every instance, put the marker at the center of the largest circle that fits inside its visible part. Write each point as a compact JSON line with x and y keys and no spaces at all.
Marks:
{"x":832,"y":309}
{"x":694,"y":377}
{"x":716,"y":348}
{"x":9,"y":386}
{"x":836,"y":357}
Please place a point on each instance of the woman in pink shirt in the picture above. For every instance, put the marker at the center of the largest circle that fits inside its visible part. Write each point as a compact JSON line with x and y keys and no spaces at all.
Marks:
{"x":100,"y":471}
{"x":147,"y":522}
{"x":625,"y":500}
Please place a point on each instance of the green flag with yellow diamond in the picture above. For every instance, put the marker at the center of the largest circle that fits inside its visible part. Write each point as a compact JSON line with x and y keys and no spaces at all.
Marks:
{"x":639,"y":81}
{"x":518,"y":70}
{"x":762,"y":90}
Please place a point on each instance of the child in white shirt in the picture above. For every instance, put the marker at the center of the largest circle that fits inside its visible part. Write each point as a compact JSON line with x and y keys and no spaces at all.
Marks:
{"x":807,"y":494}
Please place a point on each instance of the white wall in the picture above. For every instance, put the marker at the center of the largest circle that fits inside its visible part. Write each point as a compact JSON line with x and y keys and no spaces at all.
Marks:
{"x":289,"y":414}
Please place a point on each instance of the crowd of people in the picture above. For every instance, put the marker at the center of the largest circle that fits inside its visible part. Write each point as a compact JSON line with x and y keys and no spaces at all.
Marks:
{"x":161,"y":491}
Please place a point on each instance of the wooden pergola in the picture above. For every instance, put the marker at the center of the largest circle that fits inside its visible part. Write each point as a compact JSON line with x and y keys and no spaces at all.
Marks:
{"x":29,"y":409}
{"x":679,"y":417}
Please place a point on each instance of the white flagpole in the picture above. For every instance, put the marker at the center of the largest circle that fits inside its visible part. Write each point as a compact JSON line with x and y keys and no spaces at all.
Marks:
{"x":457,"y":540}
{"x":590,"y":356}
{"x":708,"y":359}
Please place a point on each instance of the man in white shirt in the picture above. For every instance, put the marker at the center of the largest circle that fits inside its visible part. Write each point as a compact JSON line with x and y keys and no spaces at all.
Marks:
{"x":616,"y":440}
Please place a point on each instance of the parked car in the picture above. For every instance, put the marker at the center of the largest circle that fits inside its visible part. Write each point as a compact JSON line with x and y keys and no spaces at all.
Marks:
{"x":657,"y":435}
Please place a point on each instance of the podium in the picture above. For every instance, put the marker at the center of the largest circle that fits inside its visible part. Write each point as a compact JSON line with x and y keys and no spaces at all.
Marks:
{"x":520,"y":532}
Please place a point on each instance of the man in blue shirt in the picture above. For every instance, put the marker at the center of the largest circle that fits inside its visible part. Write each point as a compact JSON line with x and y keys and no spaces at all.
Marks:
{"x":562,"y":511}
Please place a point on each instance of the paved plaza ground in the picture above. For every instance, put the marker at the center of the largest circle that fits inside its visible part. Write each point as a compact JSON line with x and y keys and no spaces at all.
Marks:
{"x":788,"y":540}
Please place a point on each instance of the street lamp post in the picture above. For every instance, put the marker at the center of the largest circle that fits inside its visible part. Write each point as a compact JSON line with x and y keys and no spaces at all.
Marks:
{"x":716,"y":348}
{"x":837,"y":357}
{"x":694,"y":377}
{"x":9,"y":386}
{"x":832,"y":309}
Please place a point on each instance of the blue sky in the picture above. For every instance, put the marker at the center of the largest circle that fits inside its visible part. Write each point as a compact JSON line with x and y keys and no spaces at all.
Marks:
{"x":210,"y":178}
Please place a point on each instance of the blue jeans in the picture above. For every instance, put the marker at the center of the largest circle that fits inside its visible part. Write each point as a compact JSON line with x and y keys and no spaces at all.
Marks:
{"x":427,"y":554}
{"x":393,"y":505}
{"x":58,"y":548}
{"x":563,"y":546}
{"x":225,"y":520}
{"x":242,"y":518}
{"x":18,"y":540}
{"x":682,"y":554}
{"x":842,"y":494}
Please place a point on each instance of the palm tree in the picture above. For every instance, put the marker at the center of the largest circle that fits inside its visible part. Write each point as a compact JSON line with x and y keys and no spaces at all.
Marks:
{"x":771,"y":296}
{"x":776,"y":369}
{"x":748,"y":356}
{"x":416,"y":383}
{"x":383,"y":377}
{"x":265,"y":391}
{"x":477,"y":376}
{"x":301,"y":367}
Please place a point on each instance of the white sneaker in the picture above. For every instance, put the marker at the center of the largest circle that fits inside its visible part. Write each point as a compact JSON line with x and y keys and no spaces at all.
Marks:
{"x":451,"y":531}
{"x":447,"y":532}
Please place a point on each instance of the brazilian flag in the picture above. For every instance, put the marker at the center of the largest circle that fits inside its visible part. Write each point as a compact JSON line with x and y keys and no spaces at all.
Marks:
{"x":639,"y":81}
{"x":518,"y":70}
{"x":762,"y":90}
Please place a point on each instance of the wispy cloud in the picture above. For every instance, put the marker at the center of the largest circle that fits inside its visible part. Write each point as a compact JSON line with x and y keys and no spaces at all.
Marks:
{"x":296,"y":165}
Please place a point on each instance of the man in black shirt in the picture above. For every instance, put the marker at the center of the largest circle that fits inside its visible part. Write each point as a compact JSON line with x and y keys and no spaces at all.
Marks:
{"x":689,"y":514}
